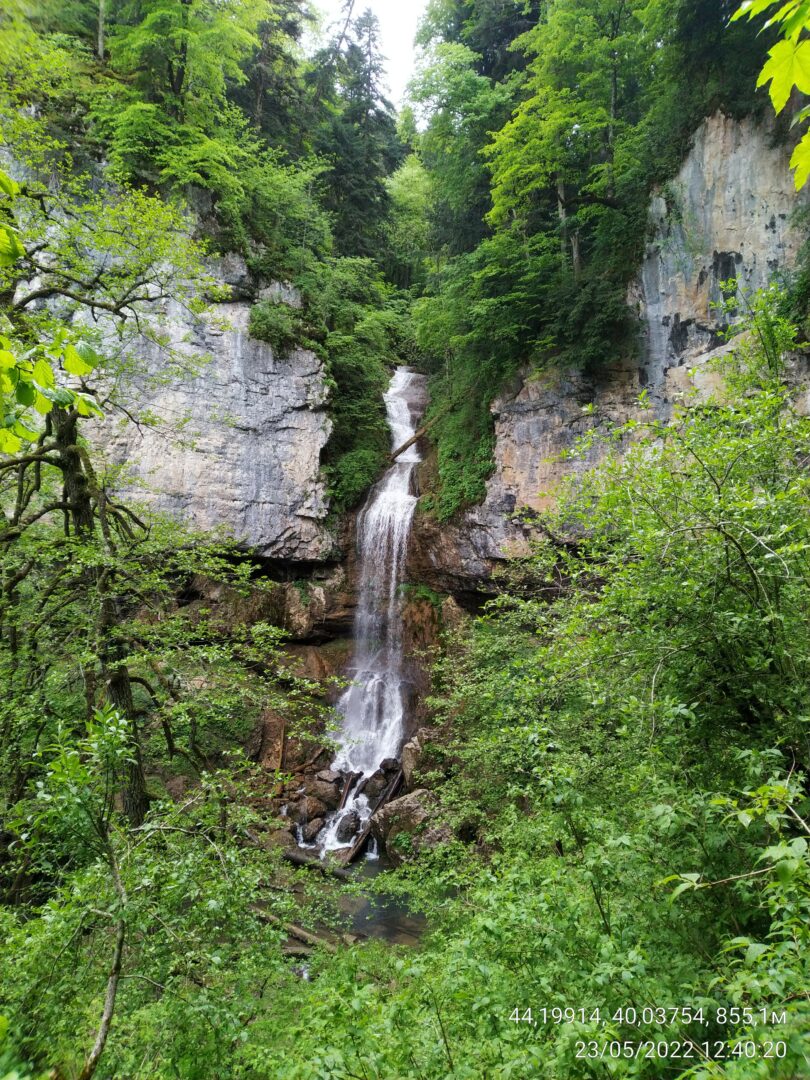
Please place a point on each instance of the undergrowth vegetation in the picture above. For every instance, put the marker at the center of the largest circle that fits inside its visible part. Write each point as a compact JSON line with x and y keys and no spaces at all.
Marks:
{"x":621,"y":754}
{"x":625,"y":737}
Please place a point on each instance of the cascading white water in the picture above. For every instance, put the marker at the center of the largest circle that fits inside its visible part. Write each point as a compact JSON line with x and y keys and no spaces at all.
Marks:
{"x":373,"y":707}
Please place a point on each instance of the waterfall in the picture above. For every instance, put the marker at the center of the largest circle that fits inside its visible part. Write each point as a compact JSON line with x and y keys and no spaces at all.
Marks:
{"x":372,"y":709}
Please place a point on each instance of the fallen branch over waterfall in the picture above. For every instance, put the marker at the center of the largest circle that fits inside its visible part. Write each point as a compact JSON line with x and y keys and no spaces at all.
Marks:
{"x":430,"y":424}
{"x":362,"y":839}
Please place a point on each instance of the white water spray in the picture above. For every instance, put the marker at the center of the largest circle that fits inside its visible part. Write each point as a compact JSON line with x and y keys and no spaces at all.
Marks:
{"x":373,"y":707}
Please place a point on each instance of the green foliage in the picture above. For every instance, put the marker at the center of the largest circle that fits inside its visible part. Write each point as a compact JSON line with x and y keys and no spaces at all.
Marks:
{"x":276,"y":218}
{"x":787,"y":68}
{"x":196,"y":950}
{"x":27,"y":380}
{"x":592,"y":105}
{"x":620,"y":741}
{"x":363,"y":331}
{"x":627,"y":729}
{"x":353,"y":473}
{"x":462,"y":107}
{"x":407,"y":241}
{"x":357,"y":136}
{"x":622,"y":750}
{"x":183,"y":55}
{"x":276,"y":323}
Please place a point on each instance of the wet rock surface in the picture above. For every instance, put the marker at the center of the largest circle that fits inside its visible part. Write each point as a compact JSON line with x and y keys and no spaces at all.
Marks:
{"x":375,"y":785}
{"x":310,"y":831}
{"x":348,"y":827}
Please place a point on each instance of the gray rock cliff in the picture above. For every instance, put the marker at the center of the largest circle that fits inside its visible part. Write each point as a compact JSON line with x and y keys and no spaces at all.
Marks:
{"x":237,"y":446}
{"x":726,"y":214}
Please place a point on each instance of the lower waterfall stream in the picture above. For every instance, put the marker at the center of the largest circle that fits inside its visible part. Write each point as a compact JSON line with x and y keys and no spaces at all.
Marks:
{"x":373,"y":708}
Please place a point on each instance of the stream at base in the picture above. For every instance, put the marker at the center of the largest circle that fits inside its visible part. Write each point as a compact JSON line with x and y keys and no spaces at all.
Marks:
{"x":373,"y":708}
{"x":379,"y":917}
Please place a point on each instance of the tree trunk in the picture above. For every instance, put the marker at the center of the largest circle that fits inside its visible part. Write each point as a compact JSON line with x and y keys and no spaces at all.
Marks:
{"x":568,"y":237}
{"x":119,"y":687}
{"x":80,"y":488}
{"x":92,"y":1060}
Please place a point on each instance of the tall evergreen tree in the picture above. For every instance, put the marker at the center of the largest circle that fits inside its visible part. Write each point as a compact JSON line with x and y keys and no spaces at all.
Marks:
{"x":360,"y":140}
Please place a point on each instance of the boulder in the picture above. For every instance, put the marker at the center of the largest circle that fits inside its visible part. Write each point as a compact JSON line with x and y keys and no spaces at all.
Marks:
{"x":413,"y":752}
{"x":406,"y":826}
{"x":311,"y":830}
{"x":375,"y":785}
{"x":280,"y":837}
{"x":307,"y":809}
{"x":314,"y":808}
{"x":327,"y":793}
{"x":266,"y":742}
{"x":329,"y":776}
{"x":348,"y":827}
{"x":390,"y":766}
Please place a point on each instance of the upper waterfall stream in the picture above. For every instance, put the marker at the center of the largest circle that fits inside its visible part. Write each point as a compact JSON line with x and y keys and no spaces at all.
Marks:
{"x":374,"y":705}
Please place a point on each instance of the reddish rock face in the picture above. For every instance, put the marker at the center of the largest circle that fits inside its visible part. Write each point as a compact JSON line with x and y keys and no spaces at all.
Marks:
{"x":266,"y":743}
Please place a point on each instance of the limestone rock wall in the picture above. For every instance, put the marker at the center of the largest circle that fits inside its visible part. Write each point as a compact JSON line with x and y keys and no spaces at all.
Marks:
{"x":237,"y":446}
{"x":726,"y":214}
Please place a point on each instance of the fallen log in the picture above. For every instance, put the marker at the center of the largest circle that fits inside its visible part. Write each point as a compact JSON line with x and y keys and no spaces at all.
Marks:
{"x":295,"y":931}
{"x":419,"y":434}
{"x":425,"y":428}
{"x":308,"y":764}
{"x":351,"y":780}
{"x":299,"y":952}
{"x":300,"y":858}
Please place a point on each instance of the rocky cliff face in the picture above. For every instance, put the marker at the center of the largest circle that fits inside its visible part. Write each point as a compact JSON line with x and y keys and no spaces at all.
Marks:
{"x":253,"y":425}
{"x":726,"y":215}
{"x":238,"y":445}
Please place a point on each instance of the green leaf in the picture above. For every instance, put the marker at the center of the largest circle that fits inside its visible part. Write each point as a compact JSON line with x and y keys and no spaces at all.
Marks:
{"x":755,"y":950}
{"x":751,"y":8}
{"x":43,"y":375}
{"x":86,"y":406}
{"x":25,"y":393}
{"x":7,"y":185}
{"x":26,"y":434}
{"x":7,"y":360}
{"x":74,"y":363}
{"x":788,"y":65}
{"x":41,"y":403}
{"x":684,"y":885}
{"x":10,"y":247}
{"x":800,"y":162}
{"x":9,"y":443}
